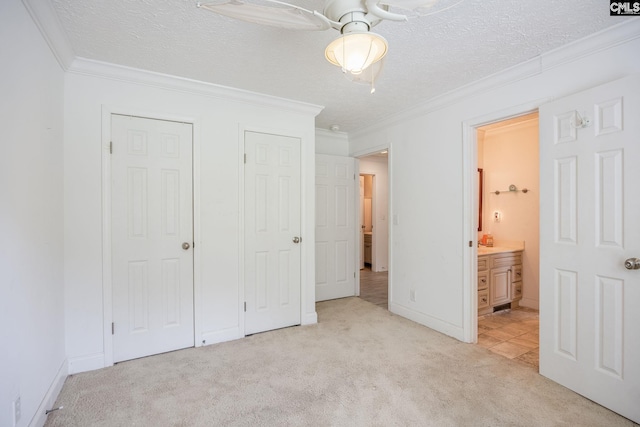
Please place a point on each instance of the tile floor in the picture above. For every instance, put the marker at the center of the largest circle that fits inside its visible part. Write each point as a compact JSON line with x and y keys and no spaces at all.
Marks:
{"x":511,"y":333}
{"x":374,"y":287}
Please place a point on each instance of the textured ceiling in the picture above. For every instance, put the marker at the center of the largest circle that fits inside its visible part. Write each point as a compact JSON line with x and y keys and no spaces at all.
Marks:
{"x":428,"y":56}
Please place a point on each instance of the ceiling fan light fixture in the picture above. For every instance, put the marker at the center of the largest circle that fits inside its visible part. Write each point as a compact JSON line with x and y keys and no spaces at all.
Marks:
{"x":355,"y":51}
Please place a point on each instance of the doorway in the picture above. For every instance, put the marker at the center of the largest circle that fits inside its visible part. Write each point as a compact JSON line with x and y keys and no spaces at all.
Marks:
{"x":508,"y":237}
{"x":374,"y":228}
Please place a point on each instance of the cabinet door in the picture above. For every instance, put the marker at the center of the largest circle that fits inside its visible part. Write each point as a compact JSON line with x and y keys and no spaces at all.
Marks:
{"x":500,"y":285}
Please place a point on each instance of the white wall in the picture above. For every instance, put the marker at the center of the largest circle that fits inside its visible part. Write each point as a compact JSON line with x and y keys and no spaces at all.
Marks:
{"x":378,"y":166}
{"x":32,"y":358}
{"x":219,"y":116}
{"x":511,"y":157}
{"x":430,"y":252}
{"x":332,"y":143}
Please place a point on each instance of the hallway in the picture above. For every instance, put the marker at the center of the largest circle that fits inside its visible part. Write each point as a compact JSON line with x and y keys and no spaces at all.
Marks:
{"x":374,"y":287}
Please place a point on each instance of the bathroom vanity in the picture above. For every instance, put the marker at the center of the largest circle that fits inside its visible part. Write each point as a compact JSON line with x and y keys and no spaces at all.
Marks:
{"x":499,"y":278}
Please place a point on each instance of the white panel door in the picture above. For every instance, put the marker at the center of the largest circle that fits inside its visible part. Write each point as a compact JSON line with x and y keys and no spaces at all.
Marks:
{"x":589,"y":226}
{"x":335,"y":227}
{"x":272,"y":232}
{"x":151,"y":218}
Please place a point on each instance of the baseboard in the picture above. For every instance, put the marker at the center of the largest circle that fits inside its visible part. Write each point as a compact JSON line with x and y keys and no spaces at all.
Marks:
{"x":439,"y":325}
{"x":50,"y":397}
{"x":86,"y":363}
{"x":309,"y":318}
{"x":530,"y":303}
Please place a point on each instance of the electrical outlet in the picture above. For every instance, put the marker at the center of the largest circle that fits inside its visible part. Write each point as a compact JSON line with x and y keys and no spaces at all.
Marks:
{"x":17,"y":411}
{"x":412,"y":295}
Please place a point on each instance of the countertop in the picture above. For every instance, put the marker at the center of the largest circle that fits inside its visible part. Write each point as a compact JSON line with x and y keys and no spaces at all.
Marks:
{"x":485,"y":250}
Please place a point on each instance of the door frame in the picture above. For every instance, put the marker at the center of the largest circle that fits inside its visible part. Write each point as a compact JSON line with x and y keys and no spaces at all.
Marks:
{"x":107,"y":283}
{"x":307,"y":221}
{"x":358,"y":155}
{"x":470,"y":209}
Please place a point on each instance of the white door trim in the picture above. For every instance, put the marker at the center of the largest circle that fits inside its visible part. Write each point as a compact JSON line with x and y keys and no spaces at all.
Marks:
{"x":307,"y":220}
{"x":470,"y":233}
{"x":107,"y":285}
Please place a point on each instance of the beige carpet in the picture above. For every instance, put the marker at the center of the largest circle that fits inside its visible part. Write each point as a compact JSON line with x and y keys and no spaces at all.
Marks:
{"x":359,"y":366}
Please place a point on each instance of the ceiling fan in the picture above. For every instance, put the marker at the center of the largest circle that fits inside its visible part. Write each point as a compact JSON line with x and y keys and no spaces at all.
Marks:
{"x":357,"y":48}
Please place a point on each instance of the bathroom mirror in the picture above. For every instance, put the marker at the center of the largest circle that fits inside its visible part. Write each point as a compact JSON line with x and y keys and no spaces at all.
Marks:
{"x":480,"y":181}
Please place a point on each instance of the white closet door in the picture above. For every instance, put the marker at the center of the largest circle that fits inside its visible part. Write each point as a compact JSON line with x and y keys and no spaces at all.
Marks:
{"x":152,"y":274}
{"x":272,"y":232}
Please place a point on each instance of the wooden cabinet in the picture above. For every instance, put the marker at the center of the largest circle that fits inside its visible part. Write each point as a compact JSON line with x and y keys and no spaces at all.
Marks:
{"x":499,"y":280}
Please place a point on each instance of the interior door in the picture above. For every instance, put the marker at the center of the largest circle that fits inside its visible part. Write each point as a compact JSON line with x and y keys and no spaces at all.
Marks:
{"x":335,"y":227}
{"x":151,"y":220}
{"x":590,"y":211}
{"x":272,"y":232}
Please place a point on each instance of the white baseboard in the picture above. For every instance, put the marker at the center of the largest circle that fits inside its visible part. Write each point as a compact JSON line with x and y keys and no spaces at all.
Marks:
{"x":439,"y":325}
{"x":50,"y":397}
{"x":309,"y":319}
{"x":86,"y":363}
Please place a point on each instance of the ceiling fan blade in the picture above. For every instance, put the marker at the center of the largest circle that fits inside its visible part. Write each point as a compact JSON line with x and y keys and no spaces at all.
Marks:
{"x":422,"y":7}
{"x":281,"y":15}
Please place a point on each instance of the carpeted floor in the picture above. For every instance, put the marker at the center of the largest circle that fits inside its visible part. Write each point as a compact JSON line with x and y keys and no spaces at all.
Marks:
{"x":359,"y":366}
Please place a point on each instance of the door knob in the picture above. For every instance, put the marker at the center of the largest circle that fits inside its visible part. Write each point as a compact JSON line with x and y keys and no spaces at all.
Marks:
{"x":632,"y":264}
{"x":186,"y":246}
{"x":296,"y":239}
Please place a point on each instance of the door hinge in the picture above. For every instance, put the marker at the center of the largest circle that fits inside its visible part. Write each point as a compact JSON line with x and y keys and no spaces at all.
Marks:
{"x":354,"y":176}
{"x":110,"y":147}
{"x":245,"y":306}
{"x":245,"y":158}
{"x":193,"y":244}
{"x":113,"y":328}
{"x":470,"y":243}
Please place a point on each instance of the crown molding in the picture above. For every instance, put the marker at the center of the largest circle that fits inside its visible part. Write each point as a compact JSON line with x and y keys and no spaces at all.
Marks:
{"x":329,"y":134}
{"x":604,"y":39}
{"x":46,"y":19}
{"x":494,"y":81}
{"x":610,"y":37}
{"x":105,"y":70}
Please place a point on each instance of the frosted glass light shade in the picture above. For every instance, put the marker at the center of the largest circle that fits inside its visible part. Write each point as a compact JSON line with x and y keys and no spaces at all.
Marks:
{"x":354,"y":52}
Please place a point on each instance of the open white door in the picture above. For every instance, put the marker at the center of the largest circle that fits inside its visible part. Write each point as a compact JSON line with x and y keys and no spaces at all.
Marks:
{"x":589,"y":226}
{"x":152,"y":234}
{"x":272,"y":232}
{"x":335,"y":227}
